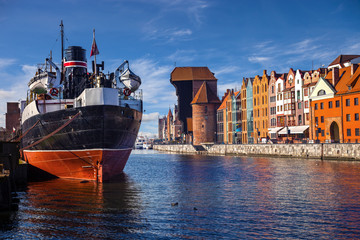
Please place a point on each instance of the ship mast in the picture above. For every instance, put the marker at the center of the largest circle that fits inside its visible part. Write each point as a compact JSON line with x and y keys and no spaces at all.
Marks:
{"x":62,"y":50}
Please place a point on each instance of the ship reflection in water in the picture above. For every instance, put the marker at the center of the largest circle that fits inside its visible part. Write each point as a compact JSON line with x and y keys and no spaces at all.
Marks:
{"x":166,"y":196}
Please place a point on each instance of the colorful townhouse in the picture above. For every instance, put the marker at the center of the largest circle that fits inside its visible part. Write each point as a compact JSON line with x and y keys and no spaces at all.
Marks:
{"x":289,"y":99}
{"x":260,"y":106}
{"x":335,"y":105}
{"x":280,"y":113}
{"x":299,"y":99}
{"x":244,"y":138}
{"x":272,"y":120}
{"x":310,"y":79}
{"x":229,"y":118}
{"x":249,"y":111}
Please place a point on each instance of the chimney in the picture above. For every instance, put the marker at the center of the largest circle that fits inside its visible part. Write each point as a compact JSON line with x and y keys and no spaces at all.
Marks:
{"x":335,"y":76}
{"x":353,"y":68}
{"x":264,"y":73}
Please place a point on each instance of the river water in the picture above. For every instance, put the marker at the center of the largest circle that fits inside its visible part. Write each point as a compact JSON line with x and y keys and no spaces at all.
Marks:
{"x":170,"y":196}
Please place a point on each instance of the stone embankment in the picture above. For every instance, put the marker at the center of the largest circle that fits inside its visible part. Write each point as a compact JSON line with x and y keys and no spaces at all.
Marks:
{"x":321,"y":151}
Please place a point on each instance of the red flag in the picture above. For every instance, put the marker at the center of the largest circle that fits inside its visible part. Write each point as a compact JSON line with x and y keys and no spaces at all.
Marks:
{"x":94,"y":48}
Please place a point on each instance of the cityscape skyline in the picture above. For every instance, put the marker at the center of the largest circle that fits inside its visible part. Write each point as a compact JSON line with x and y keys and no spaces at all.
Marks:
{"x":234,"y":39}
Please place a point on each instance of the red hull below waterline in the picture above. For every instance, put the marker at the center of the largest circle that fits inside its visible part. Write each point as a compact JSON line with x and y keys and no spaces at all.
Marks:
{"x":95,"y":164}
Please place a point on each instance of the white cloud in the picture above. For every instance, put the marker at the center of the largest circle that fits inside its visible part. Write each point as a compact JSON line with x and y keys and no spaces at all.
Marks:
{"x":226,"y":70}
{"x":183,"y":56}
{"x":256,"y":59}
{"x":182,"y":32}
{"x":17,"y":90}
{"x":150,"y":117}
{"x":5,"y":62}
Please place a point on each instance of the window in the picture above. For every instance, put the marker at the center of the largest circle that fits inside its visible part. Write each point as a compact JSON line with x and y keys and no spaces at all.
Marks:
{"x":357,"y":131}
{"x":348,"y":117}
{"x":298,"y":94}
{"x":321,"y":92}
{"x":293,"y":106}
{"x":321,"y":105}
{"x":348,"y":132}
{"x":299,"y":105}
{"x":316,"y":119}
{"x":300,"y":119}
{"x":272,"y":89}
{"x":316,"y":106}
{"x":347,"y":102}
{"x":278,"y":108}
{"x":306,"y":92}
{"x":285,"y":107}
{"x":322,"y":132}
{"x":356,"y":101}
{"x":322,"y":119}
{"x":306,"y":104}
{"x":337,"y":103}
{"x":356,"y":117}
{"x":307,"y":116}
{"x":330,"y":104}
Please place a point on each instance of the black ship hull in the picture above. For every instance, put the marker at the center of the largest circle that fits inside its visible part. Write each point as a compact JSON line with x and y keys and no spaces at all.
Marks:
{"x":92,"y":142}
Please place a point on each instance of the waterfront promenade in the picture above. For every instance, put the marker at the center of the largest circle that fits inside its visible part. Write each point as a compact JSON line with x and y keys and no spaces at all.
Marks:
{"x":312,"y":151}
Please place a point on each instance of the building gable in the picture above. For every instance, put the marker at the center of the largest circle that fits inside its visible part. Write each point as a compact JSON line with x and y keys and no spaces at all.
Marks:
{"x":323,"y":90}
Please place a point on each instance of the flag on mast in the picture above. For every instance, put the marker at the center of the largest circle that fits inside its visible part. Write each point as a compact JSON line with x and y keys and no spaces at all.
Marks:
{"x":94,"y":48}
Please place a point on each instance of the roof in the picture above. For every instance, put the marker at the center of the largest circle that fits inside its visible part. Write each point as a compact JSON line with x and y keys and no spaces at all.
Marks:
{"x":223,"y":104}
{"x":355,"y":81}
{"x":191,"y":73}
{"x":205,"y":95}
{"x":341,"y":59}
{"x":344,"y":77}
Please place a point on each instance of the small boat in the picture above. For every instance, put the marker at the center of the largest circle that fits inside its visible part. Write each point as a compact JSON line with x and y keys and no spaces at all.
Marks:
{"x":139,"y":144}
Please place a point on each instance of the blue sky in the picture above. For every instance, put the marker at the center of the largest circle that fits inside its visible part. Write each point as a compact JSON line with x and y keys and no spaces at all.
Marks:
{"x":235,"y":39}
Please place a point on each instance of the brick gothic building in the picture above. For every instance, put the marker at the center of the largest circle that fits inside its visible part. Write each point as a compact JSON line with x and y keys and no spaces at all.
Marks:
{"x":12,"y":118}
{"x":204,"y":106}
{"x":187,"y":81}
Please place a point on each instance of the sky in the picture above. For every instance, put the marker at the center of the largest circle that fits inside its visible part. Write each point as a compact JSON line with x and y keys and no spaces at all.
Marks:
{"x":233,"y":38}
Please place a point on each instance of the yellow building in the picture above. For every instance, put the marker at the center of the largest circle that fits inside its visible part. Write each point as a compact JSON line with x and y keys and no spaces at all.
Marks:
{"x":260,"y":106}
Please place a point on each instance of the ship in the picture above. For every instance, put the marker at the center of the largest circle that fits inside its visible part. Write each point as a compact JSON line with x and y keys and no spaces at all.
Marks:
{"x":81,"y":125}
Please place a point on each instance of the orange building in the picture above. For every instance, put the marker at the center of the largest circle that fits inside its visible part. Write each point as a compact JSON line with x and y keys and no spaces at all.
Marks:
{"x":260,"y":106}
{"x":335,"y":106}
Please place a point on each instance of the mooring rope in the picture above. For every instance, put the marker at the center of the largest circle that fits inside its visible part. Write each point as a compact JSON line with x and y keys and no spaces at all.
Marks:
{"x":23,"y":135}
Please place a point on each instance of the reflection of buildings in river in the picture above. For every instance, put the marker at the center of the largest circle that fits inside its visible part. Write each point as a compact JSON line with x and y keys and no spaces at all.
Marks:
{"x":68,"y":208}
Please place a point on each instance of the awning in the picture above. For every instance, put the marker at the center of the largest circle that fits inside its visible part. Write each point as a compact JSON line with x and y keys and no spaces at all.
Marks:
{"x":299,"y":129}
{"x":294,"y":130}
{"x":274,"y":130}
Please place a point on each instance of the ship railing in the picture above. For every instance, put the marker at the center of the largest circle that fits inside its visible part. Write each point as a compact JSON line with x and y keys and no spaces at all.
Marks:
{"x":123,"y":95}
{"x":31,"y":96}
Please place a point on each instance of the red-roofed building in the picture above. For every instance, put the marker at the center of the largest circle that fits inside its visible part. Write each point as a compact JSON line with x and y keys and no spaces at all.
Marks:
{"x":204,"y":107}
{"x":187,"y":81}
{"x":335,"y":106}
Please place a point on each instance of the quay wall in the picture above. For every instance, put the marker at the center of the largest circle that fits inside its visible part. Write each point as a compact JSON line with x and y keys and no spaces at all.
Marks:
{"x":320,"y":151}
